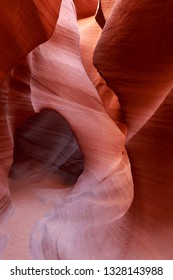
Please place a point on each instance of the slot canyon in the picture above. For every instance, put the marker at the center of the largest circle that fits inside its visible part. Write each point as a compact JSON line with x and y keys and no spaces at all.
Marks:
{"x":86,"y":140}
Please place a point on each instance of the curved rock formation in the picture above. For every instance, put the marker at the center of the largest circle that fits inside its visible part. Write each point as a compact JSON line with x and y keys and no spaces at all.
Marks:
{"x":126,"y":102}
{"x":99,"y":192}
{"x":22,"y":27}
{"x":134,"y":55}
{"x":101,"y":196}
{"x":31,"y":22}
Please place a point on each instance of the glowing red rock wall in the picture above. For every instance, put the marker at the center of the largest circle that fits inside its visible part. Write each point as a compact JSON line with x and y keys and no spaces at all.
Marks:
{"x":134,"y":55}
{"x":120,"y":206}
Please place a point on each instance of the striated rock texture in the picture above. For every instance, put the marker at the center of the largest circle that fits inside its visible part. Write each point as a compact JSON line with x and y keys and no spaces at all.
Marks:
{"x":104,"y":191}
{"x":22,"y":27}
{"x":77,"y":193}
{"x":134,"y":55}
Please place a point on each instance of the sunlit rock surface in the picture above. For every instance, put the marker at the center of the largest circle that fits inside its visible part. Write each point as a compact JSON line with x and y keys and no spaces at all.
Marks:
{"x":106,"y":85}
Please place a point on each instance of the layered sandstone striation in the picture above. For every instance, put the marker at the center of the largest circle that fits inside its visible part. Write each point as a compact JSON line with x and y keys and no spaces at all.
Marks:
{"x":85,"y":130}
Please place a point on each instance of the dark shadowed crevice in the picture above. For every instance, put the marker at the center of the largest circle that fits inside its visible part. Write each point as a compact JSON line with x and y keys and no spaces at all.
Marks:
{"x":45,"y":144}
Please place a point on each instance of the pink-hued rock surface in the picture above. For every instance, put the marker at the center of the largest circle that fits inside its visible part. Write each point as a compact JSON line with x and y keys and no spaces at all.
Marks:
{"x":105,"y":81}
